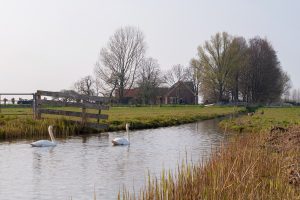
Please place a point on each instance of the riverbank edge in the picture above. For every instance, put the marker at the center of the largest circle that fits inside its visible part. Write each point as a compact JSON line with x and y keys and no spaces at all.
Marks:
{"x":264,"y":119}
{"x":28,"y":128}
{"x":158,"y":123}
{"x":249,"y":166}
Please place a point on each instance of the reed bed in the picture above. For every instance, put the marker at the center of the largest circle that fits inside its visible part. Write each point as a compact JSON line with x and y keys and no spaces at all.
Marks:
{"x":19,"y":128}
{"x":247,"y":168}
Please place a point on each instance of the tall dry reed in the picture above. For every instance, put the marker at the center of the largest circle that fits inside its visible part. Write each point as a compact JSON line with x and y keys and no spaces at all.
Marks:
{"x":245,"y":169}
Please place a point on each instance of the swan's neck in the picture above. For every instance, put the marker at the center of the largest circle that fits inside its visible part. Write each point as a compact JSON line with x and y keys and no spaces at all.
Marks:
{"x":51,"y":136}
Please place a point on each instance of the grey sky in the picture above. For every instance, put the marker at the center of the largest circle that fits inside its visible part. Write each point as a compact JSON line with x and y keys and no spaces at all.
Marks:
{"x":50,"y":44}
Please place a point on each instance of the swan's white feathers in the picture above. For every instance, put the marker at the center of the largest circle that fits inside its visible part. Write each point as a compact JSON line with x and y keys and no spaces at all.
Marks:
{"x":46,"y":143}
{"x":122,"y":140}
{"x":43,"y":143}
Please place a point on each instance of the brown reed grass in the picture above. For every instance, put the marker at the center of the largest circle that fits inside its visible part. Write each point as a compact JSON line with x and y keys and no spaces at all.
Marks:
{"x":249,"y":167}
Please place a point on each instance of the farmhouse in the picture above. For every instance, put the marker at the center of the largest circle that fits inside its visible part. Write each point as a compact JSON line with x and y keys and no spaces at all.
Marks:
{"x":179,"y":93}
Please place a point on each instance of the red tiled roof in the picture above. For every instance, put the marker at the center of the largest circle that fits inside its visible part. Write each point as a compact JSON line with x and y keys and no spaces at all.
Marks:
{"x":131,"y":92}
{"x":188,"y":85}
{"x":161,"y":91}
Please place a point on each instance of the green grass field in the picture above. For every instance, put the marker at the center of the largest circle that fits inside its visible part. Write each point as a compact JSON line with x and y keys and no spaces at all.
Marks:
{"x":18,"y":122}
{"x":152,"y":117}
{"x":283,"y":117}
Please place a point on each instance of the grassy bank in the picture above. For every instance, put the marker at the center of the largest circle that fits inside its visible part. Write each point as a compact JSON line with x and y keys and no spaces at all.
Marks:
{"x":153,"y":117}
{"x":18,"y":123}
{"x":264,"y":119}
{"x":260,"y":164}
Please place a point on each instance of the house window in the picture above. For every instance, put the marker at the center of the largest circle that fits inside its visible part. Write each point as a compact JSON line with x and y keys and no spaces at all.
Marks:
{"x":173,"y":100}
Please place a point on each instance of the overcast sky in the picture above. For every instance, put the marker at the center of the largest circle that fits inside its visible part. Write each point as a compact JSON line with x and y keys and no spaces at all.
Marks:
{"x":49,"y":45}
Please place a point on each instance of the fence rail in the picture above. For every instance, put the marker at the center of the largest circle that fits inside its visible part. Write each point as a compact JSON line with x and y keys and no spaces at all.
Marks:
{"x":73,"y":114}
{"x":72,"y":104}
{"x":73,"y":96}
{"x":80,"y":101}
{"x":69,"y":100}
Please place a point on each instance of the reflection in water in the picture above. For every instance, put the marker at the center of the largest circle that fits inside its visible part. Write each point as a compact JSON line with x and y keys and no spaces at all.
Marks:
{"x":77,"y":166}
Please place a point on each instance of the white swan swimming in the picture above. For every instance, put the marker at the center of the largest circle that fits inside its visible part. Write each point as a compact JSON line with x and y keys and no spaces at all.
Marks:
{"x":46,"y":143}
{"x":122,"y":140}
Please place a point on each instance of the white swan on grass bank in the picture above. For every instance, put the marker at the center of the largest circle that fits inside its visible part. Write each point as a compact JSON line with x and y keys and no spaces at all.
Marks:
{"x":122,"y":140}
{"x":46,"y":143}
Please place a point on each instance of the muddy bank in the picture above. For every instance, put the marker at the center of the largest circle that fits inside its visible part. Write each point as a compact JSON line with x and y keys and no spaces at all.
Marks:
{"x":286,"y":141}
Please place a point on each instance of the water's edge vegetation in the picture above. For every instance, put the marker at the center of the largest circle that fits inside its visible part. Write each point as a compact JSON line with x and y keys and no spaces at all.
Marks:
{"x":262,"y":162}
{"x":16,"y":126}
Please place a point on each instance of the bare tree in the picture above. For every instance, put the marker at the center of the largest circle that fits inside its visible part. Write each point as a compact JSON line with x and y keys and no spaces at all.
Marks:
{"x":239,"y":46}
{"x":194,"y":73}
{"x":85,"y":86}
{"x":67,"y":99}
{"x":149,"y":80}
{"x":265,"y":72}
{"x":175,"y":74}
{"x":118,"y":62}
{"x":294,"y":95}
{"x":217,"y":57}
{"x":5,"y":100}
{"x":97,"y":87}
{"x":286,"y":84}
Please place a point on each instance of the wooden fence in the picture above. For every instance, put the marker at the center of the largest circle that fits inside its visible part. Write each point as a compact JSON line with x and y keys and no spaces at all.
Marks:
{"x":80,"y":101}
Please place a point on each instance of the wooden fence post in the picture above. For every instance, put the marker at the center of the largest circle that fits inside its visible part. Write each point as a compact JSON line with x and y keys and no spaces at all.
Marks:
{"x":83,"y":109}
{"x":37,"y":98}
{"x":99,"y":112}
{"x":34,"y":106}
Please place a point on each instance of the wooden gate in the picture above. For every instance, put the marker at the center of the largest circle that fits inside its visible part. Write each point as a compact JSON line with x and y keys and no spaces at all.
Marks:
{"x":71,"y":100}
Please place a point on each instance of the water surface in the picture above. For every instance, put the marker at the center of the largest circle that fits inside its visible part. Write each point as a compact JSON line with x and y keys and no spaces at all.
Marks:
{"x":79,"y":166}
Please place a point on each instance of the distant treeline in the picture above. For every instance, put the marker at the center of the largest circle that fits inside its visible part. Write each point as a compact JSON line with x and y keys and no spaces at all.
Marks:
{"x":232,"y":69}
{"x":227,"y":68}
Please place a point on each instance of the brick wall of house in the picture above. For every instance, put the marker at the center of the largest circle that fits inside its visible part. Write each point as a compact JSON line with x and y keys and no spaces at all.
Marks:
{"x":180,"y":95}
